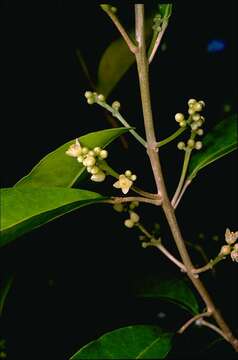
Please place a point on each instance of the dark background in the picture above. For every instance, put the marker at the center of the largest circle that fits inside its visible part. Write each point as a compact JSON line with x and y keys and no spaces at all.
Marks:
{"x":74,"y":278}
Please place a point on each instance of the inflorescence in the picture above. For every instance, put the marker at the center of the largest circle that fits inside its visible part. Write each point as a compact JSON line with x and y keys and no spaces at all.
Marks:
{"x":195,"y":121}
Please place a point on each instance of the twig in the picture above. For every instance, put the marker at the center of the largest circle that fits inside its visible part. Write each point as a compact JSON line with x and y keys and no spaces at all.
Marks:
{"x":116,"y":114}
{"x":171,"y":137}
{"x":126,"y":37}
{"x":119,"y":200}
{"x":203,"y":322}
{"x":209,"y":265}
{"x":192,"y":320}
{"x":142,"y":66}
{"x":186,"y":184}
{"x":157,"y":243}
{"x":158,"y":40}
{"x":182,"y":176}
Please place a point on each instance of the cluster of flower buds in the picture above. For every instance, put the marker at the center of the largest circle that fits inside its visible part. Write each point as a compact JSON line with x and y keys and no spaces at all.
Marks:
{"x":157,"y":22}
{"x":125,"y":181}
{"x":134,"y":219}
{"x":93,"y":97}
{"x":231,"y":248}
{"x":124,"y":207}
{"x":195,"y":121}
{"x":89,"y":158}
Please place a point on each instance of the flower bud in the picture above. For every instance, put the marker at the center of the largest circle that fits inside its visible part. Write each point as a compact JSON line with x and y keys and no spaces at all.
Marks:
{"x":190,"y":143}
{"x":80,"y":158}
{"x":196,"y":117}
{"x":84,"y":150}
{"x":134,"y":217}
{"x":103,"y":154}
{"x":116,"y":105}
{"x":182,"y":123}
{"x":133,"y":177}
{"x":194,"y":126}
{"x":198,"y":145}
{"x":118,"y":207}
{"x":99,"y":177}
{"x":179,"y":117}
{"x":225,"y":250}
{"x":88,"y":94}
{"x":128,"y":173}
{"x":191,"y":102}
{"x":89,"y":161}
{"x":129,"y":223}
{"x":198,"y":107}
{"x":90,"y":101}
{"x":95,"y":170}
{"x":200,"y":132}
{"x":181,"y":145}
{"x":101,"y":97}
{"x":97,"y":150}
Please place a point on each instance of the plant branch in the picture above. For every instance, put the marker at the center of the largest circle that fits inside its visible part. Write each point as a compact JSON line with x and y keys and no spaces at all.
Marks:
{"x":117,"y":115}
{"x":209,"y":265}
{"x":152,"y":51}
{"x":119,"y":200}
{"x":142,"y":66}
{"x":182,"y":176}
{"x":203,"y":322}
{"x":171,"y":137}
{"x":158,"y":244}
{"x":120,"y":28}
{"x":185,"y":186}
{"x":192,"y":320}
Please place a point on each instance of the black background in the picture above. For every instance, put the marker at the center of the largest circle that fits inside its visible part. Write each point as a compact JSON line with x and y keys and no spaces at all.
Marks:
{"x":74,"y":278}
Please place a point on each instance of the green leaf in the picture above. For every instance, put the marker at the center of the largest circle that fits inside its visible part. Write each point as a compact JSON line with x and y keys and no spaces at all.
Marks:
{"x":222,"y":140}
{"x":58,"y":169}
{"x":116,"y":61}
{"x":131,"y":342}
{"x":175,"y":290}
{"x":5,"y":287}
{"x":23,"y":209}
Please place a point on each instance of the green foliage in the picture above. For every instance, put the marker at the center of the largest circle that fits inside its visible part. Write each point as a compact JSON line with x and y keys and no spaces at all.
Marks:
{"x":175,"y":290}
{"x":23,"y":209}
{"x":5,"y":286}
{"x":131,"y":342}
{"x":219,"y":142}
{"x":58,"y":169}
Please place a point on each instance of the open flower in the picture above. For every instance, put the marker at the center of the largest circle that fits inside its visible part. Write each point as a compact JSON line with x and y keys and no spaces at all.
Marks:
{"x":231,"y":236}
{"x":74,"y":150}
{"x":123,"y":183}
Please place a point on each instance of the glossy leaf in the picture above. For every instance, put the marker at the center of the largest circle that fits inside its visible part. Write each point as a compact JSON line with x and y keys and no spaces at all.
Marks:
{"x":131,"y":342}
{"x":222,"y":140}
{"x":5,"y":287}
{"x":23,"y":209}
{"x":116,"y":61}
{"x":174,"y":290}
{"x":58,"y":169}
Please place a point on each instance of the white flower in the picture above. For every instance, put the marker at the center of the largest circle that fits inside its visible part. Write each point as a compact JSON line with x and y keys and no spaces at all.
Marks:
{"x":231,"y":236}
{"x":123,"y":183}
{"x":74,"y":150}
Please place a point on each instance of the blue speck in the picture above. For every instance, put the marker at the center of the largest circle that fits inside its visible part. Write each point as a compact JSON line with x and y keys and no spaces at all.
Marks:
{"x":214,"y":46}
